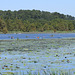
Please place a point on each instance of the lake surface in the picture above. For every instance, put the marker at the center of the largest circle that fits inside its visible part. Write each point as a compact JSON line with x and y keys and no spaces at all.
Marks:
{"x":46,"y":56}
{"x":37,"y":36}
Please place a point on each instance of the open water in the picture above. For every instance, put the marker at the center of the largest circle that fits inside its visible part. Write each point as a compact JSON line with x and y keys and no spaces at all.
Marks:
{"x":37,"y":36}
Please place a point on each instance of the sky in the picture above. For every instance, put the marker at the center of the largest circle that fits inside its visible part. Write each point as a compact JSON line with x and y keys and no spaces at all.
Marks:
{"x":66,"y":7}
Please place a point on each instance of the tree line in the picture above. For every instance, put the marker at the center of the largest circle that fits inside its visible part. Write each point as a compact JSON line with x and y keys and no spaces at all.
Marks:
{"x":35,"y":20}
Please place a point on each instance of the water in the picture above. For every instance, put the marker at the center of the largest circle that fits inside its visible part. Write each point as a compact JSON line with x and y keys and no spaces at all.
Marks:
{"x":42,"y":59}
{"x":37,"y":36}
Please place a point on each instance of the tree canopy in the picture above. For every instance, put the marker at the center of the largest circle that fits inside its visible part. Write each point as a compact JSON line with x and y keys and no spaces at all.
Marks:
{"x":35,"y":20}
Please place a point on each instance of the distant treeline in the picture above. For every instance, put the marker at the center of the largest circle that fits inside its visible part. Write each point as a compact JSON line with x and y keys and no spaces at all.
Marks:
{"x":35,"y":20}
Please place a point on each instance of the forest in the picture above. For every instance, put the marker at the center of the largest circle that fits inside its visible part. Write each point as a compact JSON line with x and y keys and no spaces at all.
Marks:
{"x":35,"y":20}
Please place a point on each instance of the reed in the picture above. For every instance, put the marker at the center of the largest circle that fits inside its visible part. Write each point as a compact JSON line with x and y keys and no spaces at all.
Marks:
{"x":43,"y":72}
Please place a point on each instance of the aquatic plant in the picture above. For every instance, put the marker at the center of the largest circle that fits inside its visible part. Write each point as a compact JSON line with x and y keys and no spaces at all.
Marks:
{"x":68,"y":61}
{"x":8,"y":73}
{"x":17,"y":38}
{"x":62,"y":60}
{"x":0,"y":57}
{"x":35,"y":62}
{"x":42,"y":58}
{"x":24,"y":64}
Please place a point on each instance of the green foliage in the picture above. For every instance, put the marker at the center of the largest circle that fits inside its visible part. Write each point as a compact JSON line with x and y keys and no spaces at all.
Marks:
{"x":3,"y":27}
{"x":35,"y":20}
{"x":5,"y":30}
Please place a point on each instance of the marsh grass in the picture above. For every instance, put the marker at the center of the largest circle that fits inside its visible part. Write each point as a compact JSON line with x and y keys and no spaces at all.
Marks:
{"x":43,"y":72}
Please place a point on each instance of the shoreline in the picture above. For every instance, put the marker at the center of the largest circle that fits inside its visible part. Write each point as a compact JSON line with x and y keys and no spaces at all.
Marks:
{"x":36,"y":32}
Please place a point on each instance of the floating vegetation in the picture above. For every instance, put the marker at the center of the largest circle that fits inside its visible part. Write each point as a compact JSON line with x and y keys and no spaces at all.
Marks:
{"x":37,"y":57}
{"x":35,"y":62}
{"x":42,"y":72}
{"x":8,"y":73}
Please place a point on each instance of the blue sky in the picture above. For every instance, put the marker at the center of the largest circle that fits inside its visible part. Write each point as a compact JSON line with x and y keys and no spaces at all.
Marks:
{"x":61,"y":6}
